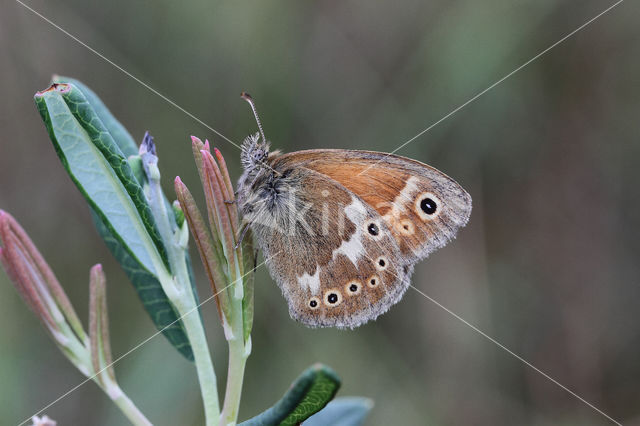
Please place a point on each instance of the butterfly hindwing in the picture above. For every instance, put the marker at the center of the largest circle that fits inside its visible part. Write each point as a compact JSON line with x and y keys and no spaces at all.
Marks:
{"x":335,"y":257}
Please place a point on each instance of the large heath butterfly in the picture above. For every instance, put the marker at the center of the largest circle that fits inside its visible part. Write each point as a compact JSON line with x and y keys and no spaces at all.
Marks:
{"x":342,"y":229}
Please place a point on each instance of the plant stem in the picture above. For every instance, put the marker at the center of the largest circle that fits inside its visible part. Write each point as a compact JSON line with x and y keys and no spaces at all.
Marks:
{"x":204,"y":366}
{"x":237,"y":353}
{"x":192,"y":322}
{"x":188,"y":310}
{"x":128,"y":408}
{"x":235,"y":377}
{"x":184,"y":300}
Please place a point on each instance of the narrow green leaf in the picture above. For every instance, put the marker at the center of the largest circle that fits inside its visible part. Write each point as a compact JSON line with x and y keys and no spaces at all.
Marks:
{"x":102,"y":140}
{"x":121,"y":136}
{"x":349,"y":411}
{"x":98,"y":168}
{"x":249,"y":264}
{"x":309,"y":394}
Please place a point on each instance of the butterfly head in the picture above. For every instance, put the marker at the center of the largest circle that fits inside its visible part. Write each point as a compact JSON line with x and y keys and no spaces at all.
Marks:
{"x":254,"y":152}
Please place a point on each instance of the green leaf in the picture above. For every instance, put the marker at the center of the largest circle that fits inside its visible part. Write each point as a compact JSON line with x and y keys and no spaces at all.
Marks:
{"x":249,"y":264}
{"x":121,"y":136}
{"x":309,"y":394}
{"x":349,"y":411}
{"x":99,"y":169}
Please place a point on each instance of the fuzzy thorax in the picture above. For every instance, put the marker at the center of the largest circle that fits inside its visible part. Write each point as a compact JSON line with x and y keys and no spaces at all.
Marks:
{"x":255,"y":153}
{"x":267,"y":198}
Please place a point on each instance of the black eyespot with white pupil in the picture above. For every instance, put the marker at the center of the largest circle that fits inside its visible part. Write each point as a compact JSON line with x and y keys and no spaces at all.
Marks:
{"x":373,"y":229}
{"x":428,"y":206}
{"x":314,"y":303}
{"x":332,"y":297}
{"x":381,"y":263}
{"x":373,"y":281}
{"x":353,"y":287}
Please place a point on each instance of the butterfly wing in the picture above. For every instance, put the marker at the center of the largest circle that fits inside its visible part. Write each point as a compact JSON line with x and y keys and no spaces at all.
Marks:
{"x":421,"y":206}
{"x":335,"y":259}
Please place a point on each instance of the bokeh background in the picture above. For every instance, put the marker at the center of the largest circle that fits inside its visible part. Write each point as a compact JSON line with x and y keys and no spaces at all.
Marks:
{"x":549,"y":264}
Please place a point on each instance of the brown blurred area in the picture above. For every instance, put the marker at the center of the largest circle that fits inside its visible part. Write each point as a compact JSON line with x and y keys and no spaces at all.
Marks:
{"x":548,"y":265}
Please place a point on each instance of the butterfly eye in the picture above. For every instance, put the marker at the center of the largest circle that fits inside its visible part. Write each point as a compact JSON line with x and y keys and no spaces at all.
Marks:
{"x":332,"y":297}
{"x":427,"y":206}
{"x":381,"y":263}
{"x":314,"y":303}
{"x":353,"y":287}
{"x":258,"y":154}
{"x":373,"y":281}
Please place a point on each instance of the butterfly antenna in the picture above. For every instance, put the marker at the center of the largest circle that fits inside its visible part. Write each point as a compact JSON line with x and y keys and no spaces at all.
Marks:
{"x":247,"y":97}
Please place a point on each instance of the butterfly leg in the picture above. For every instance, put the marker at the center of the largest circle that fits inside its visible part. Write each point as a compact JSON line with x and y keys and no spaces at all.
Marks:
{"x":235,"y":198}
{"x":255,"y":259}
{"x":243,"y":232}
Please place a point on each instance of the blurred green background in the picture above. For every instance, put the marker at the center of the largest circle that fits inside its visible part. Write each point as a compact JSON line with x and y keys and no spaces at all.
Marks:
{"x":549,"y":264}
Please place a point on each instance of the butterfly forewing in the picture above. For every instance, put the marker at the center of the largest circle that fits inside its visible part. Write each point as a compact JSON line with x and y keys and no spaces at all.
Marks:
{"x":422,"y":207}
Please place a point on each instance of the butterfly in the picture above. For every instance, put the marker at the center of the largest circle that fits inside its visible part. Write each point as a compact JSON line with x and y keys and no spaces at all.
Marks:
{"x":341,"y":230}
